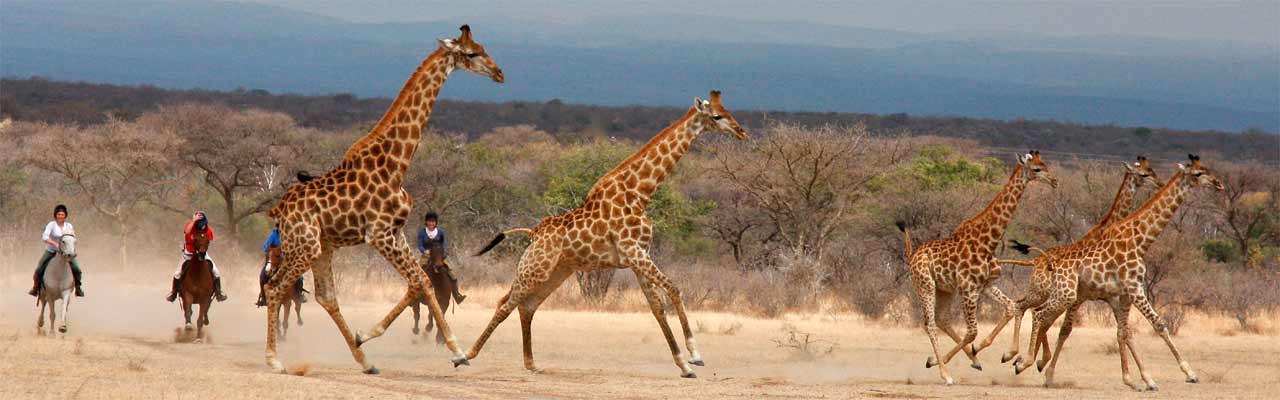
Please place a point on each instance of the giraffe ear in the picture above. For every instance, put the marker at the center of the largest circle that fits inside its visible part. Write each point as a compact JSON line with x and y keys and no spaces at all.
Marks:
{"x":449,"y":44}
{"x":1130,"y":167}
{"x":1023,"y":159}
{"x":1182,"y":167}
{"x":701,"y":105}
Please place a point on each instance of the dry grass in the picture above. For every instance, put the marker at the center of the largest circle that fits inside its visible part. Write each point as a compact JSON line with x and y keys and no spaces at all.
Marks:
{"x":804,"y":346}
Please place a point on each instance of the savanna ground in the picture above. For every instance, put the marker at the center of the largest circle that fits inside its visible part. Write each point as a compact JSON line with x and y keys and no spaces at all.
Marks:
{"x":121,"y":344}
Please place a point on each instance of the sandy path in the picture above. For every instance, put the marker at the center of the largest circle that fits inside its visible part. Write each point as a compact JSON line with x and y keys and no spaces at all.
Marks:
{"x":125,"y":348}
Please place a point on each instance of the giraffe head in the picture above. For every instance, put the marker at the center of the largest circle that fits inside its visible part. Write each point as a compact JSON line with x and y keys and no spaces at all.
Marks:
{"x":1143,"y":170}
{"x":469,"y":55}
{"x":1195,"y":174}
{"x":716,"y":117}
{"x":1035,"y":168}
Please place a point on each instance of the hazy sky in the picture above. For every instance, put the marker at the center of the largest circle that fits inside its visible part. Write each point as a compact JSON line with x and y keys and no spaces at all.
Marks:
{"x":1257,"y":21}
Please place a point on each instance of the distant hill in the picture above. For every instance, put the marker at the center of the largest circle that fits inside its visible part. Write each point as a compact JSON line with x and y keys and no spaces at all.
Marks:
{"x":87,"y":103}
{"x":659,"y":60}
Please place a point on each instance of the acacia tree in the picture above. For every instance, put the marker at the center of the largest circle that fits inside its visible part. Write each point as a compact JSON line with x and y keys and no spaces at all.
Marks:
{"x":114,"y":165}
{"x":246,"y":157}
{"x":1249,"y":210}
{"x":804,"y":181}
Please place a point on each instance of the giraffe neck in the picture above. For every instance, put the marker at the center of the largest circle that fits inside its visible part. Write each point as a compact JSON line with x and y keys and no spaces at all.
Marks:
{"x":1119,"y":208}
{"x":1149,"y":221}
{"x":987,"y":228}
{"x":395,"y":138}
{"x":641,"y":173}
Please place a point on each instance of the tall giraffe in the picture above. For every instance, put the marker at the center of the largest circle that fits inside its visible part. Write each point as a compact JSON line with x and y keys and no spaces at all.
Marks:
{"x":610,"y":230}
{"x":1112,"y":270}
{"x":963,"y":264}
{"x":363,"y":201}
{"x":1135,"y":176}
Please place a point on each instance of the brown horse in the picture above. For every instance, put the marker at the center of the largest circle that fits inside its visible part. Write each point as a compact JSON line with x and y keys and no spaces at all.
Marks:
{"x":196,"y":284}
{"x":276,"y":258}
{"x":435,"y":266}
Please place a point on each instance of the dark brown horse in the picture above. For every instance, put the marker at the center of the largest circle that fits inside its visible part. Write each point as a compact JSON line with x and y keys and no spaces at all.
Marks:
{"x":435,"y":266}
{"x":276,"y":258}
{"x":196,"y":285}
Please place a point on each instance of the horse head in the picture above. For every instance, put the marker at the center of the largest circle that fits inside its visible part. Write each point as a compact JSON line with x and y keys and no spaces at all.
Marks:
{"x":200,"y":239}
{"x":68,"y":246}
{"x":275,"y":257}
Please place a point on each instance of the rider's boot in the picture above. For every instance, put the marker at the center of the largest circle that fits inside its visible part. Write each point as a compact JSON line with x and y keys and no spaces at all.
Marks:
{"x":262,"y":297}
{"x":35,"y":287}
{"x":75,"y":274}
{"x":217,"y":290}
{"x":458,"y":297}
{"x":173,"y":293}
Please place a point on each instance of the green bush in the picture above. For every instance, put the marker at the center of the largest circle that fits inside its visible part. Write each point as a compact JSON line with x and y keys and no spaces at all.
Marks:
{"x":1220,"y":251}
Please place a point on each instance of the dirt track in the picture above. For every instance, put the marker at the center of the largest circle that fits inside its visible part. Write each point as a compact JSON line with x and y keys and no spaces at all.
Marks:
{"x":125,"y":348}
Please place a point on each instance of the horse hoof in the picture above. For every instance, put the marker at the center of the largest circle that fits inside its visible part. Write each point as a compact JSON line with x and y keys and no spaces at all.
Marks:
{"x":372,"y":371}
{"x":460,"y":361}
{"x":698,"y":362}
{"x":689,"y":375}
{"x":929,"y":363}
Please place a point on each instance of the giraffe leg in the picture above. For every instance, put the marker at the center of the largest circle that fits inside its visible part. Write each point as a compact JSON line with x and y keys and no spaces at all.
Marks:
{"x":925,"y":289}
{"x":971,"y":325}
{"x":944,"y":323}
{"x":1064,"y":332}
{"x":655,"y":305}
{"x":1010,"y":307}
{"x":1120,"y":310}
{"x":529,"y":307}
{"x":327,"y":297}
{"x":677,"y":302}
{"x":1139,"y":296}
{"x":393,"y":247}
{"x":304,"y":251}
{"x":539,"y":259}
{"x":1043,"y":320}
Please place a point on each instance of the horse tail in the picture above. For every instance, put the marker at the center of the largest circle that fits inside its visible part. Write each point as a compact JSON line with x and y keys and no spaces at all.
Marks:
{"x":906,"y":237}
{"x":503,"y":235}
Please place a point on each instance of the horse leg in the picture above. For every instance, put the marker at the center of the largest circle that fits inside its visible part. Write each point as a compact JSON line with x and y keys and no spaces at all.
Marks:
{"x":53,"y":316}
{"x":443,"y":291}
{"x":40,"y":318}
{"x":203,"y":320}
{"x":66,"y":312}
{"x":186,"y":310}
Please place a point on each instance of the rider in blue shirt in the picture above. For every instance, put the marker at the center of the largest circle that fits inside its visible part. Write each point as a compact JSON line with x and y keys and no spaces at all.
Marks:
{"x":432,"y":237}
{"x":273,"y":240}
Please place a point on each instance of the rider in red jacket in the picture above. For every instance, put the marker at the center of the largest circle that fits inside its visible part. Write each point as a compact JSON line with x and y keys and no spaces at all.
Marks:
{"x":189,"y":249}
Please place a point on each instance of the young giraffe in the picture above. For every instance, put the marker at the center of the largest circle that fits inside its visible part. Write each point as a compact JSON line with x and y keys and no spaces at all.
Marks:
{"x":610,"y":230}
{"x":1135,"y":175}
{"x":1112,"y":270}
{"x":363,"y":201}
{"x":963,"y":264}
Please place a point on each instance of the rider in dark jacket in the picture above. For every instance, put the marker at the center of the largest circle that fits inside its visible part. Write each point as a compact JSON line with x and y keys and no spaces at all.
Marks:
{"x":431,"y":232}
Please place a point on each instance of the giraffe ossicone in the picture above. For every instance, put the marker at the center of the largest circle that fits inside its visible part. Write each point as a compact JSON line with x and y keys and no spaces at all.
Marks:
{"x":362,"y":201}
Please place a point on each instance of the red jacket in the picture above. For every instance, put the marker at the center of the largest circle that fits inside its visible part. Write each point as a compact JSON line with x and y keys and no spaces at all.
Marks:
{"x":189,"y":235}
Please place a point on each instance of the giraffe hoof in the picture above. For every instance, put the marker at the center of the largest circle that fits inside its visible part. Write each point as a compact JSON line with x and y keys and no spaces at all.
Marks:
{"x":1006,"y":357}
{"x":372,"y":370}
{"x":689,"y":375}
{"x":415,"y":330}
{"x":460,"y":361}
{"x":929,"y":363}
{"x":698,"y":362}
{"x":1018,"y":368}
{"x":950,"y":381}
{"x":360,"y":339}
{"x":973,"y":348}
{"x":1193,"y":379}
{"x":976,"y":366}
{"x":1041,"y":364}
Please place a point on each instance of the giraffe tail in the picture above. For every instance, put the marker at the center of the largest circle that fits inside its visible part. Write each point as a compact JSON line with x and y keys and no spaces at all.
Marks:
{"x":503,"y":235}
{"x":1024,"y":248}
{"x":906,"y":236}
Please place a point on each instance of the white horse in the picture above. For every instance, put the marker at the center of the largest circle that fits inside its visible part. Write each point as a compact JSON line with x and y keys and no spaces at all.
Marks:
{"x":58,"y":284}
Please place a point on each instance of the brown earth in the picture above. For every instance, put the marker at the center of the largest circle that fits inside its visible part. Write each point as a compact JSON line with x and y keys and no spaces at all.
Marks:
{"x":121,"y":344}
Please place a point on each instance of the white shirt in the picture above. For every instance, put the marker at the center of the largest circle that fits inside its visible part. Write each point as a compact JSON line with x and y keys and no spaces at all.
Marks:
{"x":55,"y":232}
{"x":431,"y":233}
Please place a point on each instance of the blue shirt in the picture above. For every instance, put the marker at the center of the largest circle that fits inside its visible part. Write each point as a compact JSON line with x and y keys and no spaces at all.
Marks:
{"x":422,"y":238}
{"x":272,"y":241}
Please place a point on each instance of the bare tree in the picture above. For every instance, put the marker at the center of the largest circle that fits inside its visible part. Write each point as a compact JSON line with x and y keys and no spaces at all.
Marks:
{"x":114,"y":165}
{"x":247,"y":157}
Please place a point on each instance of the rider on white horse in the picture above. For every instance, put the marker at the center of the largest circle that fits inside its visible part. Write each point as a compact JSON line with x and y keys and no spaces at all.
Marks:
{"x":188,"y":252}
{"x":52,"y":238}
